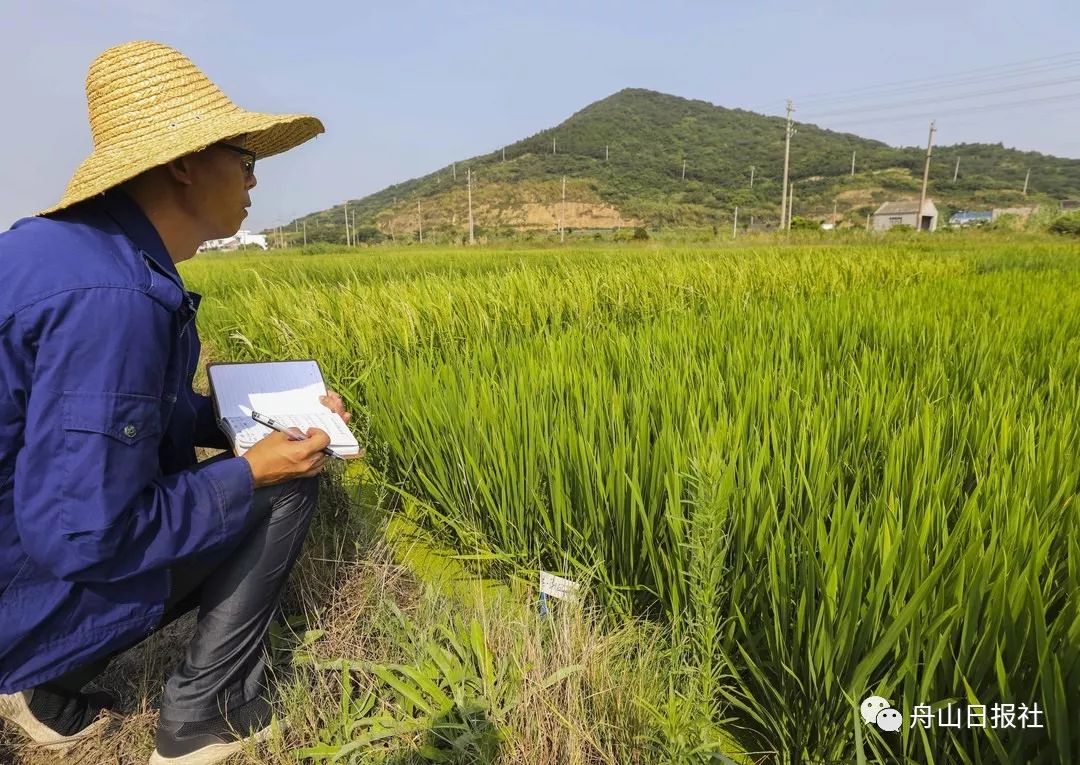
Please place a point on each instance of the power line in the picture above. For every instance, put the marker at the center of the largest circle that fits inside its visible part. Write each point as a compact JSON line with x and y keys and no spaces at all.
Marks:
{"x":952,"y":83}
{"x":937,"y":99}
{"x":962,"y":77}
{"x":994,"y":70}
{"x":975,"y":109}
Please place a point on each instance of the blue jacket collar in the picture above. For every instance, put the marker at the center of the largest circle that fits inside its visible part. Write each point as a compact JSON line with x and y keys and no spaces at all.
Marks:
{"x":130,"y":217}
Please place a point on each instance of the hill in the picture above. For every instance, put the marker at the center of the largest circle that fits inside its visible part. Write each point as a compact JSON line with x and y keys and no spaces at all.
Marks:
{"x":623,"y":159}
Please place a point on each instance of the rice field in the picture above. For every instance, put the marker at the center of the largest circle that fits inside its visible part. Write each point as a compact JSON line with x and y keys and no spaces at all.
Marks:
{"x":830,"y":471}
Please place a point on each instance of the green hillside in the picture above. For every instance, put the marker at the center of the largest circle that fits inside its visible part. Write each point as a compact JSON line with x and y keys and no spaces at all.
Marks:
{"x":623,"y":158}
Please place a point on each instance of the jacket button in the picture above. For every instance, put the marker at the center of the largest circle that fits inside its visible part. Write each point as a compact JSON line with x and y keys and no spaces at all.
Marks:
{"x":130,"y":431}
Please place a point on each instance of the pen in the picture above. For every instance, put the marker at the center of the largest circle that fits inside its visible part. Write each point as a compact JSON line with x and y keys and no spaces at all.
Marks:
{"x":262,"y":419}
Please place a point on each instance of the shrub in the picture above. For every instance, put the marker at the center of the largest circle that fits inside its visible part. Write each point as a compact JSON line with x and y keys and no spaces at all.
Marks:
{"x":1007,"y":222}
{"x":369,"y":235}
{"x":1068,"y":225}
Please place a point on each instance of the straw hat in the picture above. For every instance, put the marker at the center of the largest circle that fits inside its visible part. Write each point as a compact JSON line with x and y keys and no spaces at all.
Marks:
{"x":150,"y":105}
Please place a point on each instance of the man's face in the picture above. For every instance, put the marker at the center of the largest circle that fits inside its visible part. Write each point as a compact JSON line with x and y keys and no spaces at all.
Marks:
{"x":219,"y":196}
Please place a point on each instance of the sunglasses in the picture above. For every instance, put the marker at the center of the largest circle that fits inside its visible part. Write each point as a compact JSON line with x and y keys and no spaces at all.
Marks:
{"x":248,"y":162}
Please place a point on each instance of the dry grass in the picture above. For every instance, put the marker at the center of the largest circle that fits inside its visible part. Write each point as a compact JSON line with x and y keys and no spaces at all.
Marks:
{"x":138,"y":677}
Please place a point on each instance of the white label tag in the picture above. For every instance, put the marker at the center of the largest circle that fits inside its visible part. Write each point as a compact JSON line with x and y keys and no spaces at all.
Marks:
{"x":557,"y":587}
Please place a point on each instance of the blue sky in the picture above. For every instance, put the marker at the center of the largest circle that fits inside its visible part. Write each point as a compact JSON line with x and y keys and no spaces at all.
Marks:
{"x":405,"y":87}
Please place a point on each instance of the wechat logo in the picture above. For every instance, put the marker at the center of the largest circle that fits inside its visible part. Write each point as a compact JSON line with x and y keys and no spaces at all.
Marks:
{"x":877,"y":711}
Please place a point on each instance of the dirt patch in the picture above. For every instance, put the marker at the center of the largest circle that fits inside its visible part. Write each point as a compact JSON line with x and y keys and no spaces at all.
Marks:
{"x":858,"y":197}
{"x":573,"y":215}
{"x":500,"y":205}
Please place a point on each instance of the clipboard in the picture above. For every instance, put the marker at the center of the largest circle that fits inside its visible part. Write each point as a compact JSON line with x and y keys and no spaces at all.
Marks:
{"x":287,"y":391}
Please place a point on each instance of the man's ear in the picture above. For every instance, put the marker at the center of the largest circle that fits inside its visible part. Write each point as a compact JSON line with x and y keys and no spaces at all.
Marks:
{"x":182,"y":169}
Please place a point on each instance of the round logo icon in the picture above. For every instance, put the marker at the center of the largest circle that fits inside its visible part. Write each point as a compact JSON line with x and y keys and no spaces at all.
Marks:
{"x":890,"y":720}
{"x":876,"y":710}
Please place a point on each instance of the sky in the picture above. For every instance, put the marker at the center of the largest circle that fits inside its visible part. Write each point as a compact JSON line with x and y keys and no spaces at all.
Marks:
{"x":406,"y":87}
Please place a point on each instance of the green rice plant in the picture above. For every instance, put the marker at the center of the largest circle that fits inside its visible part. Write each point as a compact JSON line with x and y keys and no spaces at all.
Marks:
{"x":831,"y":472}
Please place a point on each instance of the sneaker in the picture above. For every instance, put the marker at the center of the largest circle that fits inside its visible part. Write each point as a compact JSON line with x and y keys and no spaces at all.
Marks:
{"x":55,"y":719}
{"x":214,"y":740}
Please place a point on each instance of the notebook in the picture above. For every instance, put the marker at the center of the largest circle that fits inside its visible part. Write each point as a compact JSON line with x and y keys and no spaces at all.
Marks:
{"x":286,"y":391}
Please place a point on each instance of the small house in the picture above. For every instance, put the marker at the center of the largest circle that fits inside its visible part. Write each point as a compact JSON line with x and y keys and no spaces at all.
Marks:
{"x":904,"y":213}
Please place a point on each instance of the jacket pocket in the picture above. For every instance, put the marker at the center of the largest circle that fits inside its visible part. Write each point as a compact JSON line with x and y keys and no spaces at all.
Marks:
{"x":111,"y":443}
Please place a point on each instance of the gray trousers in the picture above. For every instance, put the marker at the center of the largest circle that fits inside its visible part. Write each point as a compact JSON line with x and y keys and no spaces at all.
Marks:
{"x":237,"y":594}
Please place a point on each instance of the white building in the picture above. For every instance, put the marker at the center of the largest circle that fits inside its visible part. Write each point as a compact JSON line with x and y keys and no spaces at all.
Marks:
{"x":904,"y":213}
{"x":236,"y":241}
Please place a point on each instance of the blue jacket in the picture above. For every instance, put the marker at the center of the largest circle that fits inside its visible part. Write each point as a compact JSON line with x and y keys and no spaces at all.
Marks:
{"x":98,"y":428}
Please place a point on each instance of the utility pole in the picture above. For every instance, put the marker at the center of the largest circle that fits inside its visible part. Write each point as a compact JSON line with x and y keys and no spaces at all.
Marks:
{"x":453,"y":169}
{"x":752,"y":176}
{"x":472,"y":239}
{"x":1026,"y":179}
{"x":354,"y":226}
{"x":419,"y":221}
{"x":392,"y":237}
{"x":605,"y":152}
{"x":348,"y":241}
{"x":562,"y":213}
{"x":735,"y":225}
{"x":791,"y":205}
{"x":684,"y":169}
{"x":305,"y":233}
{"x":853,"y":164}
{"x":956,"y":172}
{"x":925,"y":177}
{"x":504,"y":153}
{"x":552,"y":145}
{"x":787,"y":155}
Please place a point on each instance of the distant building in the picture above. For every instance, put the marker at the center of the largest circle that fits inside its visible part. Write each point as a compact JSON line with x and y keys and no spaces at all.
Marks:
{"x":970,"y":217}
{"x":1020,"y":212}
{"x":235,"y":242}
{"x":903,"y":213}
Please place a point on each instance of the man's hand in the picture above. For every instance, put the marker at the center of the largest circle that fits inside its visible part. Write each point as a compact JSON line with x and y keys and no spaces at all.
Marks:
{"x":278,"y":458}
{"x":333,"y":402}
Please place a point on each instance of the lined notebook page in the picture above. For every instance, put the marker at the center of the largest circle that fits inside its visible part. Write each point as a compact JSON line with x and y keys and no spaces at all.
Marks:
{"x":247,"y":432}
{"x":287,"y":391}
